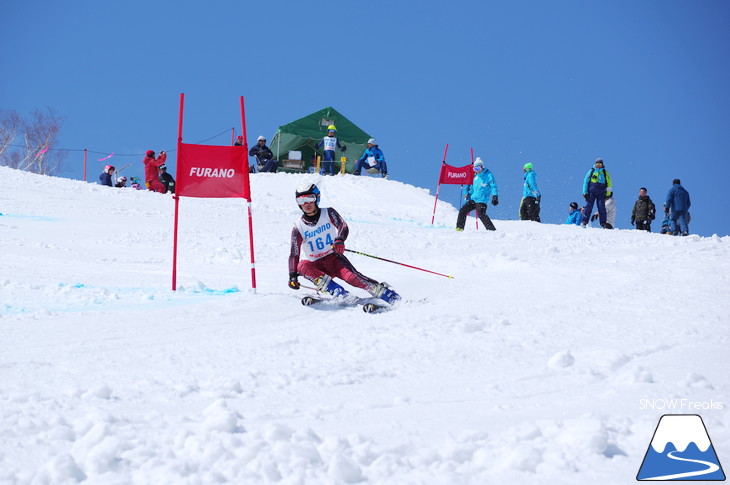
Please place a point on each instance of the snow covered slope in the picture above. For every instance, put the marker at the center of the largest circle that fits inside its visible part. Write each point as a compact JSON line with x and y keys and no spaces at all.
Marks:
{"x":533,"y":365}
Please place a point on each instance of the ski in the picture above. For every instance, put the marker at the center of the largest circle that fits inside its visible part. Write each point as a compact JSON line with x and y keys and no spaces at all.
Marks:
{"x":367,"y":306}
{"x":311,"y":300}
{"x":374,"y":307}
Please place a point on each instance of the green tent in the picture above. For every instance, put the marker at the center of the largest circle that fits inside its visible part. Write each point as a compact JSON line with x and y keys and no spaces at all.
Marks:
{"x":303,"y":135}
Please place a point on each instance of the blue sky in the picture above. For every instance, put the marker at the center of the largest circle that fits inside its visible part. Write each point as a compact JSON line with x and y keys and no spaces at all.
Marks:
{"x":642,"y":84}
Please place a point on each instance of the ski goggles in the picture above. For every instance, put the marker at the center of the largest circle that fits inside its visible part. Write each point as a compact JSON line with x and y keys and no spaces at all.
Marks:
{"x":303,"y":199}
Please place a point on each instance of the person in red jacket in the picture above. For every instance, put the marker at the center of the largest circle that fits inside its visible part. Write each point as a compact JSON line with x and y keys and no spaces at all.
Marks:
{"x":151,"y":171}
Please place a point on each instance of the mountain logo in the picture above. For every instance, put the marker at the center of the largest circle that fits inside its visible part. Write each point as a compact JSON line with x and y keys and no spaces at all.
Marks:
{"x":680,"y":450}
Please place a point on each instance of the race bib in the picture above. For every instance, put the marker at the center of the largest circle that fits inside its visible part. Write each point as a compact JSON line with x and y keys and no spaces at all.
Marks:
{"x":372,"y":162}
{"x":330,"y":143}
{"x":317,"y":240}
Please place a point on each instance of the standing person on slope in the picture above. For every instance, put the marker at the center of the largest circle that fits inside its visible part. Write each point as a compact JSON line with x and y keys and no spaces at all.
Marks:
{"x":317,"y":247}
{"x":329,"y":143}
{"x":596,"y":188}
{"x":678,"y":204}
{"x":530,"y":207}
{"x":644,"y":211}
{"x":478,"y":196}
{"x":151,"y":171}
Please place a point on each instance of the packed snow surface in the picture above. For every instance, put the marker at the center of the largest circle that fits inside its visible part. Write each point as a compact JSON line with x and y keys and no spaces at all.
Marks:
{"x":547,"y":357}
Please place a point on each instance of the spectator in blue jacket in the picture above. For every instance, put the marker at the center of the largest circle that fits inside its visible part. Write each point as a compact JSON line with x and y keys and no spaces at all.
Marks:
{"x":106,"y":177}
{"x":596,"y":188}
{"x":530,"y":206}
{"x":482,"y":190}
{"x":372,"y":157}
{"x":574,"y":216}
{"x":678,"y":205}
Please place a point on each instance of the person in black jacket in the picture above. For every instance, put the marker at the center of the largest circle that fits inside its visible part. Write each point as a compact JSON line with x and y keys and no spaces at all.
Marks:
{"x":644,"y":211}
{"x":167,"y":179}
{"x":263,"y":156}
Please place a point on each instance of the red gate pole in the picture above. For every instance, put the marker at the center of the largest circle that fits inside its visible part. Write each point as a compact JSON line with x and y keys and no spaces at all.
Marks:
{"x":438,"y":187}
{"x":177,"y":197}
{"x":85,"y":153}
{"x":476,"y":218}
{"x":247,"y":181}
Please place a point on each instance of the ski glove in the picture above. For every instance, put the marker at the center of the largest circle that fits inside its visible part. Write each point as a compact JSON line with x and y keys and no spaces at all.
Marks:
{"x":339,"y":246}
{"x":594,"y":216}
{"x":495,"y":200}
{"x":633,"y":221}
{"x":609,"y":195}
{"x":585,"y":196}
{"x":294,"y":281}
{"x":537,"y":199}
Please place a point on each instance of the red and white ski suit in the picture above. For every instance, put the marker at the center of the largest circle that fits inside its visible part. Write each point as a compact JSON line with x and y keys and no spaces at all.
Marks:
{"x":312,"y":255}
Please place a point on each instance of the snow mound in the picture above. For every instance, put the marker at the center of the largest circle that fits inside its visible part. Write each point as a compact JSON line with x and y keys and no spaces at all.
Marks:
{"x":528,"y":366}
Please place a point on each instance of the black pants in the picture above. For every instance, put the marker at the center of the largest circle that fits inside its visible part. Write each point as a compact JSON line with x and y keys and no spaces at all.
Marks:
{"x":643,"y":225}
{"x":481,"y":213}
{"x":530,"y":210}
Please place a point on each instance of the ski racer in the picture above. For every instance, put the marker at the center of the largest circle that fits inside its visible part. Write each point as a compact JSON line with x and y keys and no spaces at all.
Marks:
{"x":317,"y":250}
{"x":478,"y":196}
{"x":330,"y":142}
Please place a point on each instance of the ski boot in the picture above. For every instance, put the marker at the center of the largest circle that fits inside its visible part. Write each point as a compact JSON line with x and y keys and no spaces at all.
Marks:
{"x":383,"y":291}
{"x":326,"y":285}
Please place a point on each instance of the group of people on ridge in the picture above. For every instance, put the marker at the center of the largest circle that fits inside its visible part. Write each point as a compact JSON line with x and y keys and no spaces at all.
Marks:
{"x":597,"y":189}
{"x":371,"y":158}
{"x":155,"y":172}
{"x":483,"y":190}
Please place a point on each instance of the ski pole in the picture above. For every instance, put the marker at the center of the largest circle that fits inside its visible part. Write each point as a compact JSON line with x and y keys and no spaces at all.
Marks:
{"x":396,"y":262}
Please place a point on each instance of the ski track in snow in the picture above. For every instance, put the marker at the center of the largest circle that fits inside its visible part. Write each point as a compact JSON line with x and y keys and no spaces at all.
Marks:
{"x":527,"y":367}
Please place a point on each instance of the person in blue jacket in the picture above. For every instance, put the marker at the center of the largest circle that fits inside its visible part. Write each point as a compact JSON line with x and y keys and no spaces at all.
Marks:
{"x":574,"y":216}
{"x":596,"y":188}
{"x":329,"y":143}
{"x":677,"y":205}
{"x":478,"y":194}
{"x":106,"y":177}
{"x":530,"y":206}
{"x":372,"y":157}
